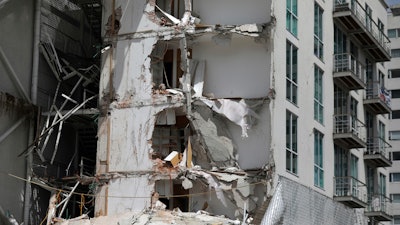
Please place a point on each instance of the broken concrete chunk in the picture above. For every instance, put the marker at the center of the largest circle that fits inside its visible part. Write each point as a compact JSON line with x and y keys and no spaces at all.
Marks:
{"x":250,"y":28}
{"x":187,"y":184}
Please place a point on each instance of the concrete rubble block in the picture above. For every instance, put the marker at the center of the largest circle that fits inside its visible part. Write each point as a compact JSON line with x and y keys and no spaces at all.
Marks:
{"x":187,"y":184}
{"x":250,"y":28}
{"x":214,"y":137}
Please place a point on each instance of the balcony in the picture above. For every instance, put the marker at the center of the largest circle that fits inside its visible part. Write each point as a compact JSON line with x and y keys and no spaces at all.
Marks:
{"x":350,"y":191}
{"x":349,"y":132}
{"x":349,"y":72}
{"x":377,"y":98}
{"x":377,"y":153}
{"x":379,"y":207}
{"x":355,"y":19}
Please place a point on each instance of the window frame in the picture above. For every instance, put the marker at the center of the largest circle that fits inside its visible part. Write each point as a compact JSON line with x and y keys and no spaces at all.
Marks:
{"x":291,"y":72}
{"x":292,"y":17}
{"x":318,"y":31}
{"x":391,"y":176}
{"x":318,"y":159}
{"x":318,"y":94}
{"x":291,"y":143}
{"x":395,"y":52}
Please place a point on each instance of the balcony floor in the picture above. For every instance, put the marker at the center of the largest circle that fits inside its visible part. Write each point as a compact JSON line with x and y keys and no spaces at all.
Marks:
{"x":350,"y":201}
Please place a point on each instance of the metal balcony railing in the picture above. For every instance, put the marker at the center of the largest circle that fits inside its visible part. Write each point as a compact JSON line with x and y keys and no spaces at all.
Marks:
{"x":347,"y":123}
{"x":379,"y":203}
{"x":347,"y":62}
{"x":367,"y":22}
{"x":376,"y":91}
{"x":350,"y":187}
{"x":377,"y":145}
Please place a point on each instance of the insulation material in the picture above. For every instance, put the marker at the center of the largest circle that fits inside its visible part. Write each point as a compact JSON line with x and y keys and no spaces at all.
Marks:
{"x":236,"y":111}
{"x":213,"y":137}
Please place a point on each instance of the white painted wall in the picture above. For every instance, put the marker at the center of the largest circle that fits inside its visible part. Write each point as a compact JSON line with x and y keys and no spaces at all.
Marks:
{"x":236,"y":12}
{"x":305,"y":105}
{"x":240,"y":70}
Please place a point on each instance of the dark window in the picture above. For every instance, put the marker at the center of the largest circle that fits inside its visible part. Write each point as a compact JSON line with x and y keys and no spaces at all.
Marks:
{"x":395,"y":53}
{"x":396,"y":93}
{"x":395,"y":114}
{"x":395,"y":155}
{"x":394,"y":73}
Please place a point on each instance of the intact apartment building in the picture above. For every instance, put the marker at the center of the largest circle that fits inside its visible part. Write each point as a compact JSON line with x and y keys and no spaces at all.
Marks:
{"x":393,"y":86}
{"x":275,"y":108}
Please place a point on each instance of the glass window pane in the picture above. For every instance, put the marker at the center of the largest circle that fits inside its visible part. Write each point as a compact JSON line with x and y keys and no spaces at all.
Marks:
{"x":395,"y":156}
{"x":391,"y":33}
{"x":395,"y":93}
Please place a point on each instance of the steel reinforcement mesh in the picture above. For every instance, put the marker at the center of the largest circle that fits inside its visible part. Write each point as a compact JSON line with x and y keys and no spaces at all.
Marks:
{"x":303,"y":205}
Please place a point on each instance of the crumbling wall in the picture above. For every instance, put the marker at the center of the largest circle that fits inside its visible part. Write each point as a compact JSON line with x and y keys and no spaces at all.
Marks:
{"x":220,"y":119}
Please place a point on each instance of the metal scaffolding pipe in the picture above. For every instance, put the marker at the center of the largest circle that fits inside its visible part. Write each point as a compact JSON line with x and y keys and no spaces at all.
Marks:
{"x":11,"y":129}
{"x":14,"y":76}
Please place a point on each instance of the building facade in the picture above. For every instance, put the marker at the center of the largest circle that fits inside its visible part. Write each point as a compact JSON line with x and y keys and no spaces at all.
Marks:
{"x":393,"y":86}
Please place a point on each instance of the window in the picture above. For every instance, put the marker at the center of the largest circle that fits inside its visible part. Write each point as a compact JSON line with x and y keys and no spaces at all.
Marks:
{"x":395,"y":114}
{"x":382,"y":184}
{"x":394,"y":135}
{"x":395,"y":93}
{"x":291,"y":16}
{"x":318,"y":95}
{"x":368,"y":17}
{"x":394,"y":33}
{"x":318,"y":37}
{"x":291,"y":142}
{"x":318,"y":159}
{"x":395,"y":198}
{"x":396,"y":219}
{"x":395,"y":156}
{"x":394,"y":73}
{"x":354,"y":166}
{"x":291,"y":72}
{"x":395,"y":53}
{"x":340,"y":40}
{"x":381,"y":28}
{"x":341,"y":162}
{"x":394,"y":177}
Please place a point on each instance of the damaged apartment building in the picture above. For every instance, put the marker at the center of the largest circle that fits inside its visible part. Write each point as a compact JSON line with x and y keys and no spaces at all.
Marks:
{"x":262,"y":111}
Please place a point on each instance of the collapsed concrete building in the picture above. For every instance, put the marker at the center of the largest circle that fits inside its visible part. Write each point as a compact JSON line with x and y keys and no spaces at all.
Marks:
{"x":198,"y":105}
